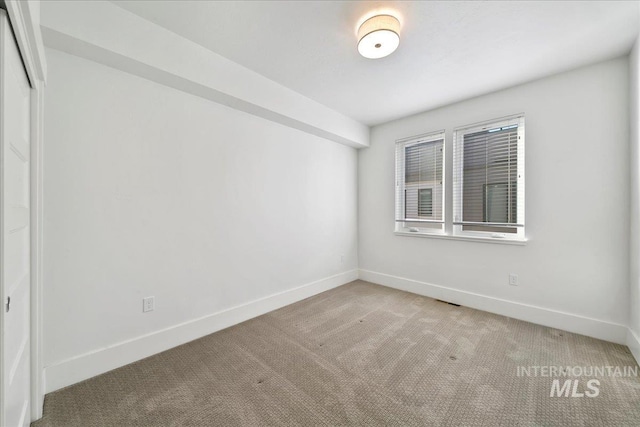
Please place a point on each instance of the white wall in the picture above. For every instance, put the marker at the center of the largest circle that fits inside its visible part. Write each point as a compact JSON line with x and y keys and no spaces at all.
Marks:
{"x":145,"y":49}
{"x":35,"y":11}
{"x":634,"y":232}
{"x":152,"y":191}
{"x":573,"y":272}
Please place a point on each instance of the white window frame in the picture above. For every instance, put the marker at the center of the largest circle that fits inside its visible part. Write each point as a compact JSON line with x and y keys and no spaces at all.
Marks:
{"x":419,"y":226}
{"x":458,"y":173}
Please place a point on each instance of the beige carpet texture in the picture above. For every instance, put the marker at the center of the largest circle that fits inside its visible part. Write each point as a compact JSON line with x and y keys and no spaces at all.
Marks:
{"x":365,"y":355}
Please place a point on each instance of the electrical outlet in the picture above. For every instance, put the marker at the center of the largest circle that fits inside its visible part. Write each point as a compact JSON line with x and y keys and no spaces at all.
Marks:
{"x":148,"y":304}
{"x":513,"y":279}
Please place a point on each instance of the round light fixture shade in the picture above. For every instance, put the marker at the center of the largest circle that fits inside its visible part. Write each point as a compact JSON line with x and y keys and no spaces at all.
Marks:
{"x":378,"y":36}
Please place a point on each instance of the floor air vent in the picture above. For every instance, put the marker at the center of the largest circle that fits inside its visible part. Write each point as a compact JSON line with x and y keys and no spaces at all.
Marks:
{"x":447,"y":302}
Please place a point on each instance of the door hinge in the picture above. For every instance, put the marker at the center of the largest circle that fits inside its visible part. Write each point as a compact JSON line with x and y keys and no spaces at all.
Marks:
{"x":8,"y":304}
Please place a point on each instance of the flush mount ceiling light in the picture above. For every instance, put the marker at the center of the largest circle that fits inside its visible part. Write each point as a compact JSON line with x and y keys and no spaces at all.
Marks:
{"x":378,"y":36}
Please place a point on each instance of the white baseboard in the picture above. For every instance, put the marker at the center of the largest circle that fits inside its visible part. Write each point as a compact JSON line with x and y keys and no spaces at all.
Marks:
{"x":90,"y":364}
{"x":633,"y":342}
{"x":595,"y":328}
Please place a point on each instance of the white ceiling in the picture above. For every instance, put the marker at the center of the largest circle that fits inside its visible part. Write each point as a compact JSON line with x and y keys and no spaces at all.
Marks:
{"x":449,"y":50}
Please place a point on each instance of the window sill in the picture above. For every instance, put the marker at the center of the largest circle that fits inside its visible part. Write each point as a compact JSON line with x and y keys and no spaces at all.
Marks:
{"x":465,"y":238}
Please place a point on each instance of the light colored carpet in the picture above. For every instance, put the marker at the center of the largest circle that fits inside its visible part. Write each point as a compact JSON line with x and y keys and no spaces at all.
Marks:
{"x":360,"y":354}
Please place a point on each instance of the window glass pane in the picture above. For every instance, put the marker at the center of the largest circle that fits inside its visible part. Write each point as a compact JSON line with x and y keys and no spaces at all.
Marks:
{"x":420,"y":181}
{"x":423,"y":162}
{"x":490,"y":176}
{"x":425,"y":202}
{"x":500,"y":203}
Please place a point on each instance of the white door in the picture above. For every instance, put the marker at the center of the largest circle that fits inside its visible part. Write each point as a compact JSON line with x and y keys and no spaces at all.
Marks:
{"x":14,"y":232}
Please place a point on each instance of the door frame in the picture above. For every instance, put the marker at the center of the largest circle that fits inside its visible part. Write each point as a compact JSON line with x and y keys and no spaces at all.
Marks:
{"x":24,"y":17}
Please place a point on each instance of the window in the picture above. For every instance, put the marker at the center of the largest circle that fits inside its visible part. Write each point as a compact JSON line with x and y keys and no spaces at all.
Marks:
{"x":487,"y":191}
{"x":488,"y":179}
{"x":419,"y":184}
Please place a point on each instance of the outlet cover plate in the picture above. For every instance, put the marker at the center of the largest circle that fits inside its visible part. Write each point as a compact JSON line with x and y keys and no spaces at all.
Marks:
{"x":513,"y":279}
{"x":148,"y":304}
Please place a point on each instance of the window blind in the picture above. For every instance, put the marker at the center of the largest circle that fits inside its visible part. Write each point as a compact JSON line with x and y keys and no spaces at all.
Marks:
{"x":419,"y":179}
{"x":488,"y":184}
